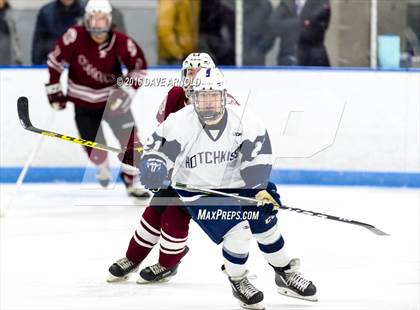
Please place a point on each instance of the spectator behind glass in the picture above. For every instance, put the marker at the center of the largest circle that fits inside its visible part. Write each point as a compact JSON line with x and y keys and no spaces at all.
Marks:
{"x":177,"y":30}
{"x":301,"y":26}
{"x":217,"y":31}
{"x":52,"y":21}
{"x":9,"y":46}
{"x":257,"y":37}
{"x":118,"y":23}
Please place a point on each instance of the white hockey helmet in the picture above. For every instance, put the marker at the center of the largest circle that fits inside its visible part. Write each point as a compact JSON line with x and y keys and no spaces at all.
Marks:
{"x":94,"y":8}
{"x":194,"y":61}
{"x":198,"y":60}
{"x":209,"y":95}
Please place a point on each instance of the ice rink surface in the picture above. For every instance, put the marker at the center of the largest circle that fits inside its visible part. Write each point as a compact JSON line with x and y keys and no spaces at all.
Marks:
{"x":58,"y":241}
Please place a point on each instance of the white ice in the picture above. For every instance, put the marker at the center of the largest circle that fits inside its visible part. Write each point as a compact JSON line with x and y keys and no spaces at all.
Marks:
{"x":57,"y":242}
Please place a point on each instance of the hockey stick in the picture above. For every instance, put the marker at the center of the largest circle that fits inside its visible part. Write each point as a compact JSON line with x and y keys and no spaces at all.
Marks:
{"x":22,"y":106}
{"x":23,"y":112}
{"x":282,"y":207}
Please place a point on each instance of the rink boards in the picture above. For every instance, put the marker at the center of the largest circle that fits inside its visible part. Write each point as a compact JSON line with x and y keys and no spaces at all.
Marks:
{"x":327,"y":127}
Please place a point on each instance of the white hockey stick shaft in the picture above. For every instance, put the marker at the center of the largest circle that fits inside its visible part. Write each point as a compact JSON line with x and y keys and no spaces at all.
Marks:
{"x":371,"y":228}
{"x":26,"y":166}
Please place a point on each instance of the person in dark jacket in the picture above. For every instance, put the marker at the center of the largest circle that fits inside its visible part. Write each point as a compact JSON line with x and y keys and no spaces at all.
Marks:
{"x":10,"y":52}
{"x":217,"y":31}
{"x":257,"y":39}
{"x":301,"y":26}
{"x":52,"y":21}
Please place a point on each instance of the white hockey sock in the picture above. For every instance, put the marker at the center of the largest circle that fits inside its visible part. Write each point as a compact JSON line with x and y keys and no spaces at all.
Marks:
{"x":235,"y":249}
{"x":271,"y":244}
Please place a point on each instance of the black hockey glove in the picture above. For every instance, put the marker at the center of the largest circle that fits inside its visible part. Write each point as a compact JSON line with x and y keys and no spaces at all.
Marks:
{"x":56,"y":97}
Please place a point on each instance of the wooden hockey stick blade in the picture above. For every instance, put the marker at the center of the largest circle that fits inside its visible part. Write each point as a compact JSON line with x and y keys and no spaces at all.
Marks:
{"x":23,"y":113}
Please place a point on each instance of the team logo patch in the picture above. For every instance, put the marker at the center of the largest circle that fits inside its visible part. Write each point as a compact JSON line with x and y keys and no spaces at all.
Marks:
{"x":131,"y":47}
{"x":102,"y":53}
{"x":70,"y":36}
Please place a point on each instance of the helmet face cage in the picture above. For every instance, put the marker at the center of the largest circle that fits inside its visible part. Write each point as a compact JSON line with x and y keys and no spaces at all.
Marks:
{"x":98,"y":18}
{"x":210,"y":105}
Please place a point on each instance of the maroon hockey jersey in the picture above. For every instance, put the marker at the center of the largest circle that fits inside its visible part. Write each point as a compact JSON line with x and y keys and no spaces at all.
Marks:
{"x":94,"y":68}
{"x":175,"y":100}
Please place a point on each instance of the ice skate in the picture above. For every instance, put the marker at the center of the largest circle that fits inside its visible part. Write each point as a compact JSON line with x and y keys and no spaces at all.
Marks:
{"x":248,"y":295}
{"x":121,"y":270}
{"x":133,"y":187}
{"x":157,"y":273}
{"x":291,"y":283}
{"x":103,"y":174}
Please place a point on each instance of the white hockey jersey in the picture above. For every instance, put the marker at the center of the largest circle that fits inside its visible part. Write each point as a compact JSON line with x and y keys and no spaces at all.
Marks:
{"x":235,"y":153}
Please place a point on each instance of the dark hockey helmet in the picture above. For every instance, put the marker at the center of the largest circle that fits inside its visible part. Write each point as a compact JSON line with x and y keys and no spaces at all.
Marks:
{"x":209,"y":96}
{"x":98,"y":16}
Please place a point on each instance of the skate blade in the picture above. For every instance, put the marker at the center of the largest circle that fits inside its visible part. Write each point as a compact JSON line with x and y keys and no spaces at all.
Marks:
{"x":290,"y":293}
{"x":257,"y":306}
{"x":142,"y":281}
{"x":143,"y":196}
{"x":114,"y":279}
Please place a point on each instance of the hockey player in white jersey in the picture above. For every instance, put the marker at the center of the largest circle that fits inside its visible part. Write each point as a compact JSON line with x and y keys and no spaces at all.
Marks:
{"x":223,"y":149}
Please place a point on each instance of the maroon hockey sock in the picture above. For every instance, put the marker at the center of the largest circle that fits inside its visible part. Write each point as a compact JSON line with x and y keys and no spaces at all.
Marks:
{"x":146,"y":235}
{"x":128,"y":179}
{"x":97,"y":157}
{"x":175,"y":224}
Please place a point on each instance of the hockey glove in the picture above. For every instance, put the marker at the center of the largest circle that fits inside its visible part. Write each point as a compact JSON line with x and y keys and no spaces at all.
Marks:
{"x":269,"y":197}
{"x":131,"y":155}
{"x":153,"y":172}
{"x":55,"y":96}
{"x":119,"y":100}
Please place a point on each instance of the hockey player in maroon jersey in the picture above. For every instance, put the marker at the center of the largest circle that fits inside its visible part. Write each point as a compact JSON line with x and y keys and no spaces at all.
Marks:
{"x":95,"y":55}
{"x":162,"y":219}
